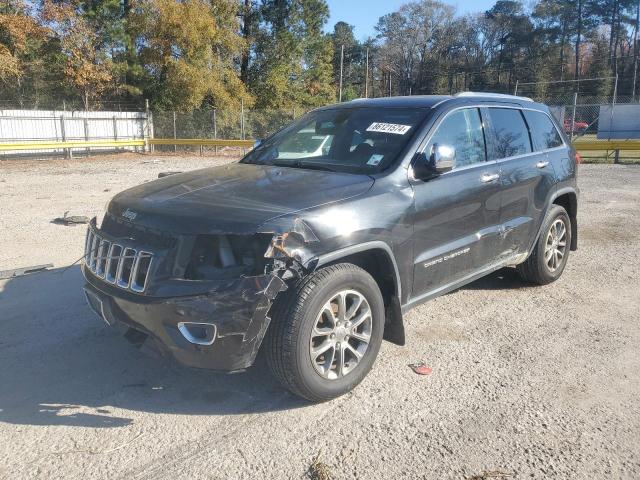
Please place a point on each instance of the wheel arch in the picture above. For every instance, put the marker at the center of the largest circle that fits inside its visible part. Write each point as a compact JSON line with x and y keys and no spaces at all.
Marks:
{"x":377,"y":259}
{"x":567,"y":198}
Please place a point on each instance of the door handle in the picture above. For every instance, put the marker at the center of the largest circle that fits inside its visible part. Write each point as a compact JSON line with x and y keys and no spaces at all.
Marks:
{"x":542,"y":164}
{"x":487,"y":177}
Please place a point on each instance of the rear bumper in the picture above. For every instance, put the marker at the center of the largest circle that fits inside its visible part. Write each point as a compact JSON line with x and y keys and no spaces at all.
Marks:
{"x":228,"y":324}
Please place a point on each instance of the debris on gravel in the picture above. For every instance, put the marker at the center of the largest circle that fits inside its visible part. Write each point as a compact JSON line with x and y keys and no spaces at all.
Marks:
{"x":319,"y":470}
{"x":420,"y":368}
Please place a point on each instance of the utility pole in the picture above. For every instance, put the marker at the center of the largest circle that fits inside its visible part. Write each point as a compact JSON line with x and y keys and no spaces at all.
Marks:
{"x":366,"y":75}
{"x":341,"y":68}
{"x":635,"y":53}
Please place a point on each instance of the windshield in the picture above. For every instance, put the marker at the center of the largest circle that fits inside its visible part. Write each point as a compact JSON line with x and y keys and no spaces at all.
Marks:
{"x":355,"y":140}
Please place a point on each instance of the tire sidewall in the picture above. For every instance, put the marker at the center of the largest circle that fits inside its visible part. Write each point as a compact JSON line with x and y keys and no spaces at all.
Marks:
{"x":352,"y":280}
{"x":556,"y":213}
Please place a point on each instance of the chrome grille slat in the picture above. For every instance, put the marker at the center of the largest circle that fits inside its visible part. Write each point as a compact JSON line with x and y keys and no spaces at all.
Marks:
{"x":93,"y":253}
{"x":115,"y":256}
{"x":126,"y":267}
{"x":136,"y":272}
{"x":102,"y":257}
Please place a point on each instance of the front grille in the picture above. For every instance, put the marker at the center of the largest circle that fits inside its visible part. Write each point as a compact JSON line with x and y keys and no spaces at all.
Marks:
{"x":119,"y":265}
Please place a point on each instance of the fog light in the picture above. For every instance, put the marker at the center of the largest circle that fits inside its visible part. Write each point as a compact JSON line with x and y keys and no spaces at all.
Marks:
{"x":198,"y":333}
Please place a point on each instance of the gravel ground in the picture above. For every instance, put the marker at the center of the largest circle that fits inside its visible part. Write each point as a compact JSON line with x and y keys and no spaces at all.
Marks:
{"x":527,"y":382}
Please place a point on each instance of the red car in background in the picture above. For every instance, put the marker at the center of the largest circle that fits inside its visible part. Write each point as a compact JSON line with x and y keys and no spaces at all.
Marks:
{"x":578,"y":127}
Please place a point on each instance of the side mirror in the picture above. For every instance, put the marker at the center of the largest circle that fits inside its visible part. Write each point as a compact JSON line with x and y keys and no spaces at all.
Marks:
{"x":441,"y":159}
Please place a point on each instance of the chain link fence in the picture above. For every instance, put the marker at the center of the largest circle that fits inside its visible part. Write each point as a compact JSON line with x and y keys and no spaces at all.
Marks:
{"x":30,"y":126}
{"x":578,"y":106}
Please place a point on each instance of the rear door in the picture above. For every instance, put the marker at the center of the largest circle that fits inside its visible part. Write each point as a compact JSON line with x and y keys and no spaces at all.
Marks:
{"x":456,"y":220}
{"x":526,"y":176}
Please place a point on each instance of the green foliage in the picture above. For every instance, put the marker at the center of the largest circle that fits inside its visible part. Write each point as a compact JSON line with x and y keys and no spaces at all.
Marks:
{"x":292,"y":56}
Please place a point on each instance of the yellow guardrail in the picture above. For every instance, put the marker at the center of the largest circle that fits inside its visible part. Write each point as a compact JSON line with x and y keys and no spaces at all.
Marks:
{"x":70,"y":144}
{"x":580,"y":145}
{"x":205,"y":142}
{"x":600,"y":145}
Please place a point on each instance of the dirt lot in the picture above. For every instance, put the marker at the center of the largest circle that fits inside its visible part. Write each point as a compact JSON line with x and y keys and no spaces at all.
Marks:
{"x":527,"y":381}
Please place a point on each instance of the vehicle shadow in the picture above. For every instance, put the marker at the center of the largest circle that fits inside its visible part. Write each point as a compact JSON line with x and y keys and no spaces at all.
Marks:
{"x":61,"y":365}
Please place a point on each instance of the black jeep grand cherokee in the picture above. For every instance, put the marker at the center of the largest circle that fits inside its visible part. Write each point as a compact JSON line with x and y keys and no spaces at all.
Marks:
{"x":315,"y":244}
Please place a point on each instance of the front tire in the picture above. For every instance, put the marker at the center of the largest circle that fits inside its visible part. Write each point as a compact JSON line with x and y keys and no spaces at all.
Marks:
{"x":326,"y":332}
{"x":551,"y":252}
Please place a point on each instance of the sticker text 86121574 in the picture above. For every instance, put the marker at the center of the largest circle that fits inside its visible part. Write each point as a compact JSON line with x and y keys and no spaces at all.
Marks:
{"x":394,"y":128}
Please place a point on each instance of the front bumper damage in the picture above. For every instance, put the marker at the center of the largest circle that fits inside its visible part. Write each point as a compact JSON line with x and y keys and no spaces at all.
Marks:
{"x":231,"y":316}
{"x":238,"y":310}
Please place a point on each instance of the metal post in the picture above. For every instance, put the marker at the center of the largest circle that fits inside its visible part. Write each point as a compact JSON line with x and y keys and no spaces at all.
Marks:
{"x":516,"y":90}
{"x":366,"y":75}
{"x":389,"y":82}
{"x":149,"y":130}
{"x":573,"y":117}
{"x":215,"y":131}
{"x":242,"y":119}
{"x":175,"y":133}
{"x":115,"y":128}
{"x":635,"y":53}
{"x":341,"y":69}
{"x":635,"y":78}
{"x":67,"y":151}
{"x":86,"y":133}
{"x":613,"y":107}
{"x":244,"y":150}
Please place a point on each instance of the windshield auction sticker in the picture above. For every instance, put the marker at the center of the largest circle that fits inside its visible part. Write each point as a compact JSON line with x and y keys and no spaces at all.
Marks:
{"x":389,"y":128}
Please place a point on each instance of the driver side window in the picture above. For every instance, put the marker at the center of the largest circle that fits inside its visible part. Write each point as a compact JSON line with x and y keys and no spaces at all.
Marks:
{"x":463,"y":131}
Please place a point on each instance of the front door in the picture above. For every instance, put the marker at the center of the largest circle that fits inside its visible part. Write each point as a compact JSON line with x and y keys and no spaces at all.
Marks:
{"x":456,"y":226}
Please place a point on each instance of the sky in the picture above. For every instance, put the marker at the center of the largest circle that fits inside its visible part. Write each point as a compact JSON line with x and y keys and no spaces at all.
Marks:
{"x":364,"y":14}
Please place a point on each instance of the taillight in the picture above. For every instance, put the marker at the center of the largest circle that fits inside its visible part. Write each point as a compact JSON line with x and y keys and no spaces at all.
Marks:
{"x":578,"y":159}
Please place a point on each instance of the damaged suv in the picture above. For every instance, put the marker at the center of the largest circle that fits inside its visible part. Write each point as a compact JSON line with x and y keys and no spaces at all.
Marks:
{"x":314,"y":245}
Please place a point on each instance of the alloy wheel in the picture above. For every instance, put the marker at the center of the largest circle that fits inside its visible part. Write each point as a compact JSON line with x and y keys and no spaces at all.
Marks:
{"x":556,"y":245}
{"x":341,"y":334}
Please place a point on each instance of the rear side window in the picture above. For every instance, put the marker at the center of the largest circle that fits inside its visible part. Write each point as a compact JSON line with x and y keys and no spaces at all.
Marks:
{"x":543,"y":132}
{"x":462,"y":130}
{"x":511,"y":133}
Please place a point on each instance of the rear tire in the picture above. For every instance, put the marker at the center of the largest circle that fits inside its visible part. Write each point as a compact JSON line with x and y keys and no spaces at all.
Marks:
{"x":551,"y":251}
{"x":321,"y":314}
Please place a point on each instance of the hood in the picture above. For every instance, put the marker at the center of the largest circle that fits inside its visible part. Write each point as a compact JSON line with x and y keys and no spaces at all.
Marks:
{"x":235,"y":198}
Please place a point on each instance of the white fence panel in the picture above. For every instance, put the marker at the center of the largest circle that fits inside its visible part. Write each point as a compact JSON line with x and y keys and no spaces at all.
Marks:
{"x":57,"y":126}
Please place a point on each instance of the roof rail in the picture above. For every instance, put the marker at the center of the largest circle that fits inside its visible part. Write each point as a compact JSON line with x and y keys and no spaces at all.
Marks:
{"x":492,"y":95}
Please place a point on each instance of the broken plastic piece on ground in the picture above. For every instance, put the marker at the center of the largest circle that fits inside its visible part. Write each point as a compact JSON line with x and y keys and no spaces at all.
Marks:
{"x":18,"y":272}
{"x":420,"y":368}
{"x":166,"y":174}
{"x":492,"y":474}
{"x":70,"y":220}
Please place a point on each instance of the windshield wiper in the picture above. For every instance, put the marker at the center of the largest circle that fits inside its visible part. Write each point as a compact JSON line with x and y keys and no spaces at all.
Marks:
{"x":303,"y":164}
